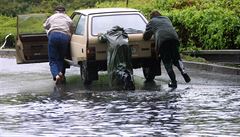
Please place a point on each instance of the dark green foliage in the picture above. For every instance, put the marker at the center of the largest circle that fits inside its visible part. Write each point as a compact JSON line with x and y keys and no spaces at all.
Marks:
{"x":7,"y":25}
{"x":208,"y":26}
{"x":31,"y":24}
{"x":15,"y":7}
{"x":201,"y":24}
{"x":9,"y":9}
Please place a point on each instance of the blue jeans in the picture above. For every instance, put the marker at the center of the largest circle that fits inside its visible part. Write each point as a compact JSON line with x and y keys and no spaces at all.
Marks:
{"x":58,"y":44}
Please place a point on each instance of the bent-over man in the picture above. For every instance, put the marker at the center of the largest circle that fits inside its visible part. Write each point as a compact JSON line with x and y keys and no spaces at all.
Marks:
{"x":166,"y":44}
{"x":59,"y":30}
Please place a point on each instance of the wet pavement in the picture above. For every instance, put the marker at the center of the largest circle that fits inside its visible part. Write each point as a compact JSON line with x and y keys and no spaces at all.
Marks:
{"x":32,"y":106}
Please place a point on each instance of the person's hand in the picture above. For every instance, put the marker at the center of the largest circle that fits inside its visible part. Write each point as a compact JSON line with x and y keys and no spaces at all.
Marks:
{"x":101,"y":37}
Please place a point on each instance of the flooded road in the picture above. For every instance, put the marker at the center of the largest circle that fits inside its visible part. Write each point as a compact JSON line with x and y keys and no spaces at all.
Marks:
{"x":32,"y":106}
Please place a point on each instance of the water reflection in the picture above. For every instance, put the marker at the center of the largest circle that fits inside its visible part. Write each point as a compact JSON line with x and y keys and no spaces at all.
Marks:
{"x":60,"y":92}
{"x":35,"y":108}
{"x":74,"y":112}
{"x":84,"y":112}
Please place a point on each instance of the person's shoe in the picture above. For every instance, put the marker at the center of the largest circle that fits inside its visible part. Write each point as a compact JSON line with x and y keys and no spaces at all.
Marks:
{"x":129,"y":86}
{"x":186,"y":77}
{"x":128,"y":83}
{"x":172,"y":84}
{"x":64,"y":80}
{"x":58,"y":80}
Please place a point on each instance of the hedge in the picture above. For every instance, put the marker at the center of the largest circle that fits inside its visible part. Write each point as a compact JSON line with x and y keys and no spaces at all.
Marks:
{"x":201,"y":24}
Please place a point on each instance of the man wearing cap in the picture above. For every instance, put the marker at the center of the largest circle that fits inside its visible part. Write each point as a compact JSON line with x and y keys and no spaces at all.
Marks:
{"x":59,"y":30}
{"x":166,"y":44}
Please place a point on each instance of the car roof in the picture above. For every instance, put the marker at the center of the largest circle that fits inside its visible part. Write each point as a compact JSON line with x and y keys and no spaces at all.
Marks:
{"x":104,"y":10}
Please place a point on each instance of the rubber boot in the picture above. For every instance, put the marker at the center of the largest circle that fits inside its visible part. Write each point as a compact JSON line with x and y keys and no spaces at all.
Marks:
{"x":173,"y":83}
{"x":128,"y":81}
{"x":186,"y":77}
{"x":180,"y":67}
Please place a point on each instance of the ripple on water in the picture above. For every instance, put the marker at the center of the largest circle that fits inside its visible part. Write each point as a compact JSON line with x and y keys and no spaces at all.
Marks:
{"x":184,"y":112}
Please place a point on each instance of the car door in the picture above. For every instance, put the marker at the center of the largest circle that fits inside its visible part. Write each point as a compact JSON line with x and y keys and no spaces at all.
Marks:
{"x":78,"y":44}
{"x":31,"y":40}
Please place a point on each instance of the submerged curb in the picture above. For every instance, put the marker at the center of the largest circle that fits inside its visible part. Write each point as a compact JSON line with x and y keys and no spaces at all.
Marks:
{"x":188,"y":64}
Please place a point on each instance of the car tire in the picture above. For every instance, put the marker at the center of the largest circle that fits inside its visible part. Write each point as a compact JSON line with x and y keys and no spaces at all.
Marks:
{"x":85,"y":75}
{"x":148,"y":73}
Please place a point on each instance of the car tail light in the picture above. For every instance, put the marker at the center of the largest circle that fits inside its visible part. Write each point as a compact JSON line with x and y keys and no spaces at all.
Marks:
{"x":91,"y":53}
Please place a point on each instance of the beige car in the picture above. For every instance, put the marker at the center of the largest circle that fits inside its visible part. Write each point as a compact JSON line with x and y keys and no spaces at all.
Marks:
{"x":86,"y":51}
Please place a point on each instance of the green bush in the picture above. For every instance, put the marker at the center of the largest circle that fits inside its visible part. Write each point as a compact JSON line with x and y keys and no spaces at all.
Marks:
{"x":213,"y":28}
{"x":7,"y":25}
{"x":30,"y":24}
{"x":202,"y":24}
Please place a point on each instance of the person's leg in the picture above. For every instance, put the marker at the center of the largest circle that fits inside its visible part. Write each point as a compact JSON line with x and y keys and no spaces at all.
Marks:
{"x":53,"y":55}
{"x":165,"y":53}
{"x":63,"y":45}
{"x":177,"y":61}
{"x":171,"y":74}
{"x":176,"y":57}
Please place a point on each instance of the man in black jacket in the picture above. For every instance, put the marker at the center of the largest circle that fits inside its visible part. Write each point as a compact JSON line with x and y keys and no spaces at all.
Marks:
{"x":166,"y":44}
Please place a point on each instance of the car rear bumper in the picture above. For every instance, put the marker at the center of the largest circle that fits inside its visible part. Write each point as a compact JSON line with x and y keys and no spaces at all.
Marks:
{"x":136,"y":63}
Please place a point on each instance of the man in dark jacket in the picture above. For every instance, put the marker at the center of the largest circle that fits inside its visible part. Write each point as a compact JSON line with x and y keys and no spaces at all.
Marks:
{"x":166,"y":44}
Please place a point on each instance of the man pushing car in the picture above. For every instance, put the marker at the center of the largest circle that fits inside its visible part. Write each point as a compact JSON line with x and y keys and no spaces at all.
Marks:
{"x":166,"y":44}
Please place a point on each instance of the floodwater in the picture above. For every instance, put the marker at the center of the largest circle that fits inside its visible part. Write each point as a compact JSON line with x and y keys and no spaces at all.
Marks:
{"x":35,"y":107}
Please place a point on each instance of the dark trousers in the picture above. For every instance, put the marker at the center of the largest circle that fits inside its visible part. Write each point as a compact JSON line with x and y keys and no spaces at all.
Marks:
{"x":58,"y":44}
{"x":170,"y":56}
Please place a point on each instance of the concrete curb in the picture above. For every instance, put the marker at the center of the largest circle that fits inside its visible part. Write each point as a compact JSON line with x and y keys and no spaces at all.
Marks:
{"x":218,"y":56}
{"x":187,"y":64}
{"x":7,"y":52}
{"x":212,"y":68}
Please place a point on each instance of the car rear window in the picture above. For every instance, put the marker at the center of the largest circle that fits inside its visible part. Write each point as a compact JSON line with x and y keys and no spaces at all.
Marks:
{"x":132,"y":23}
{"x":31,"y":23}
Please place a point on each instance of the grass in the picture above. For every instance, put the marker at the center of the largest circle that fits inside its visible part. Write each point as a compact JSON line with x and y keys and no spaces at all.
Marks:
{"x":7,"y":25}
{"x":193,"y":59}
{"x":32,"y":23}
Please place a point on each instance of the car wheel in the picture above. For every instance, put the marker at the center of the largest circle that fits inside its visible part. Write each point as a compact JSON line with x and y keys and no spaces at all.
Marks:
{"x":85,"y":75}
{"x":148,"y":73}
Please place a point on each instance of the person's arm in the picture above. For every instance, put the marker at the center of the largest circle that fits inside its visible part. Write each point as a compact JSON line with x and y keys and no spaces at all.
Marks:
{"x":148,"y":32}
{"x":46,"y":24}
{"x":71,"y":27}
{"x":70,"y":24}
